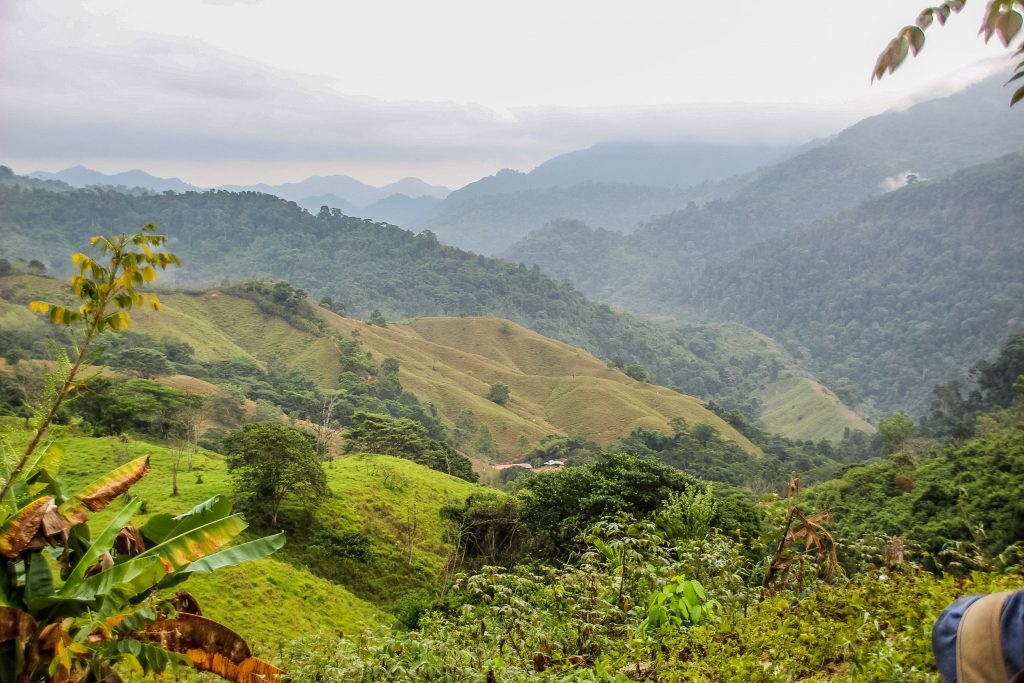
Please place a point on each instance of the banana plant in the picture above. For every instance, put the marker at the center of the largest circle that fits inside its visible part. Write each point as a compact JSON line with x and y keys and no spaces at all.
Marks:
{"x":74,"y":605}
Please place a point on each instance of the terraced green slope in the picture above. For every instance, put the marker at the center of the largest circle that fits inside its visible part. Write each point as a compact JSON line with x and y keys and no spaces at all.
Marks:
{"x":274,"y":600}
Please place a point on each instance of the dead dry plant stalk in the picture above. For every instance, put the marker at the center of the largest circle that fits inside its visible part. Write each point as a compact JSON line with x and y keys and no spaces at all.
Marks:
{"x":819,"y":546}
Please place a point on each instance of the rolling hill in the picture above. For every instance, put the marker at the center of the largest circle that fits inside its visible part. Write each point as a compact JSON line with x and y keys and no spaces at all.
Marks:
{"x":447,"y":362}
{"x":366,"y":266}
{"x":274,"y":599}
{"x":555,"y":388}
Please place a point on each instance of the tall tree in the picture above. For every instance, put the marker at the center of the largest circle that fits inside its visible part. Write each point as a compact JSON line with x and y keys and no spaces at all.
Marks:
{"x":270,"y":462}
{"x":895,"y":430}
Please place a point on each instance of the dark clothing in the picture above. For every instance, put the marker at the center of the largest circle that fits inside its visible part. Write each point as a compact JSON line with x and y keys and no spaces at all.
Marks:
{"x":952,"y":634}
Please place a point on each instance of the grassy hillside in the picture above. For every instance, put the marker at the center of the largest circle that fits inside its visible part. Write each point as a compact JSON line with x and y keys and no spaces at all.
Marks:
{"x":555,"y":388}
{"x":801,"y":408}
{"x":366,"y":266}
{"x":274,"y":600}
{"x":449,"y":362}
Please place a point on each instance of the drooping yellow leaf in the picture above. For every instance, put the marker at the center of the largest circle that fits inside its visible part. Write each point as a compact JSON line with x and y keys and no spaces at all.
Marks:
{"x":18,"y":531}
{"x":149,"y":273}
{"x":915,"y":37}
{"x":98,"y":494}
{"x":38,"y":306}
{"x":118,"y":321}
{"x":1009,"y":25}
{"x":211,"y":646}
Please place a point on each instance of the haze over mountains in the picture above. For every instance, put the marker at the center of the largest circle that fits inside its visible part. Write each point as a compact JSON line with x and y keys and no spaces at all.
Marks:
{"x":394,"y":202}
{"x":80,"y":176}
{"x":690,"y":261}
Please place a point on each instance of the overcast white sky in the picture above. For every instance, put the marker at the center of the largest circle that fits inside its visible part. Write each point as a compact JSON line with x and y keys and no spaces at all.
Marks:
{"x":240,"y":91}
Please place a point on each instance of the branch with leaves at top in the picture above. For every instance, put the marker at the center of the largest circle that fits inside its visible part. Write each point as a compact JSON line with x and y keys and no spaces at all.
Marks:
{"x":1003,"y":18}
{"x":107,"y":292}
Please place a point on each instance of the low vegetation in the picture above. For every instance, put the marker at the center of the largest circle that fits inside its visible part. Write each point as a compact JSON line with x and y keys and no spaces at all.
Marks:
{"x":682,"y":548}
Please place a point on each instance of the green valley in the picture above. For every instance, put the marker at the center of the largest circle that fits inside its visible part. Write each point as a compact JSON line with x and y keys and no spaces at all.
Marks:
{"x":720,"y":378}
{"x":372,"y":266}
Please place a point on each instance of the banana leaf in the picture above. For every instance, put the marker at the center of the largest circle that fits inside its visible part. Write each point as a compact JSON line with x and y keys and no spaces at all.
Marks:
{"x":244,"y":552}
{"x":180,"y":551}
{"x":159,"y":528}
{"x":19,"y":530}
{"x":99,"y":493}
{"x":120,"y":583}
{"x":103,"y":543}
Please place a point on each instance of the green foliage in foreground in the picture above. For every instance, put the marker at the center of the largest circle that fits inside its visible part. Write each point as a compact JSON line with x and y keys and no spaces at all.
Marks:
{"x":970,"y":493}
{"x":600,"y":618}
{"x":875,"y":628}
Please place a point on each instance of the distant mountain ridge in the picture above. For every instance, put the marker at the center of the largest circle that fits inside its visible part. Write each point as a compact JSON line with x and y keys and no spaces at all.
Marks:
{"x":80,"y":176}
{"x":929,"y":140}
{"x":349,"y":189}
{"x":615,"y":185}
{"x":673,"y":251}
{"x":653,"y":164}
{"x":397,"y":200}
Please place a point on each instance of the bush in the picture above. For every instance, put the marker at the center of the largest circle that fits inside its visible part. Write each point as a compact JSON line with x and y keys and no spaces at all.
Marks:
{"x":498,"y":393}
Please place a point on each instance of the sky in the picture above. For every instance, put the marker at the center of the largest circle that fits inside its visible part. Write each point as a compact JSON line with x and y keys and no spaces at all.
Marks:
{"x":246,"y":91}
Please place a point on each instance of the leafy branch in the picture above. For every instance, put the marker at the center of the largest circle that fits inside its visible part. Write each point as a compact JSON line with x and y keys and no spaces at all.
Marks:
{"x":1002,"y":17}
{"x":107,"y":292}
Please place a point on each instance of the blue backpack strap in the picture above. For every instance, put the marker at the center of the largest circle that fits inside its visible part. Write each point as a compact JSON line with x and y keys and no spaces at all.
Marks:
{"x":1012,"y":627}
{"x":944,"y":636}
{"x":979,"y":646}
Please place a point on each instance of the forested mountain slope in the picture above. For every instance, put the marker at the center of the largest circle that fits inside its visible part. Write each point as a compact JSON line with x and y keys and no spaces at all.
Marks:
{"x":222,"y":235}
{"x":897,"y":294}
{"x":888,"y":298}
{"x":931,"y":139}
{"x":490,"y":223}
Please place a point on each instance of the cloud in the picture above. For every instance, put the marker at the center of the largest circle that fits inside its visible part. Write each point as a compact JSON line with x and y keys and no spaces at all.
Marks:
{"x":75,"y":87}
{"x":180,"y":99}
